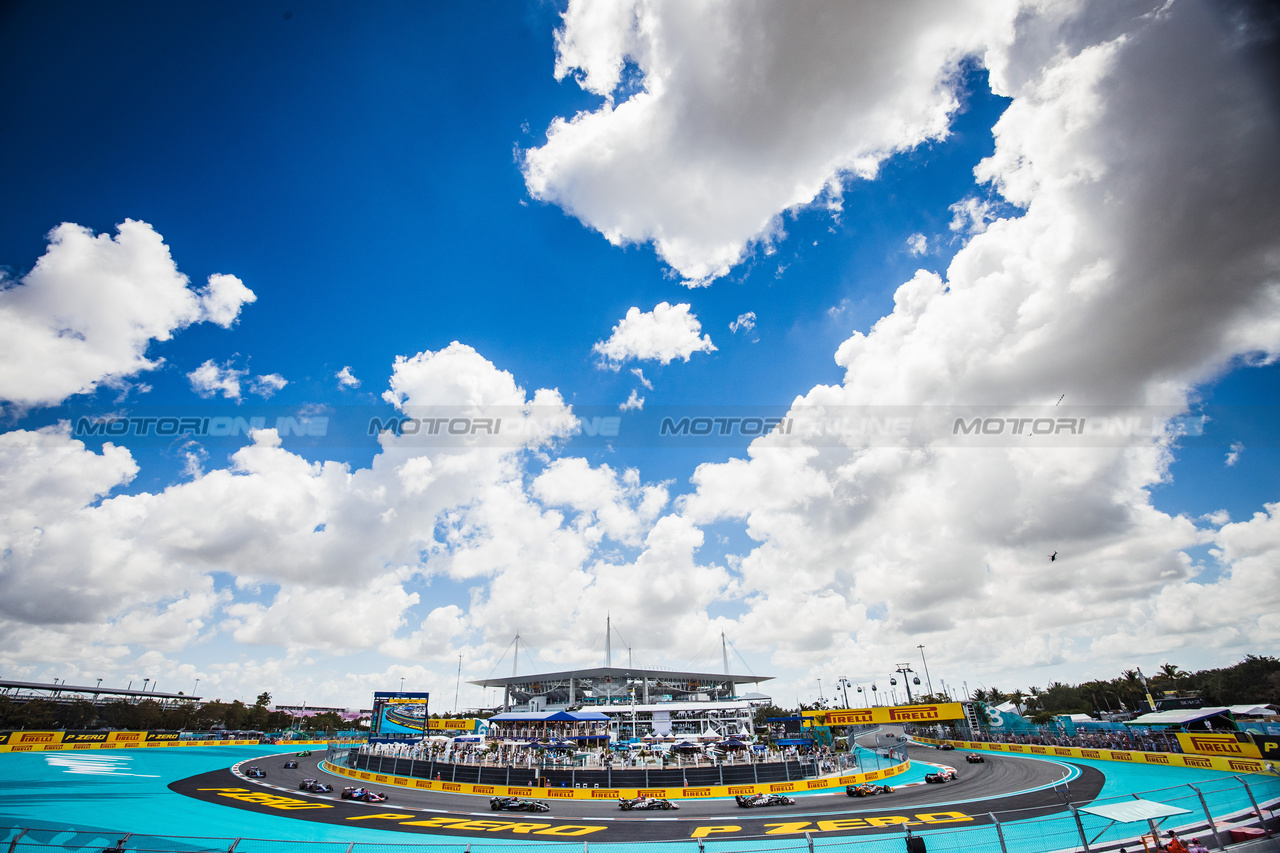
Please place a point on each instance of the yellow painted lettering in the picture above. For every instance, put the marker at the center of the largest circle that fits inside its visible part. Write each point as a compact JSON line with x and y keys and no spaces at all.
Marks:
{"x":381,"y":816}
{"x":704,"y":831}
{"x":570,"y":829}
{"x":431,"y":821}
{"x":787,"y":828}
{"x":489,"y":825}
{"x":850,"y":823}
{"x":943,"y":817}
{"x":892,"y":820}
{"x":521,"y":828}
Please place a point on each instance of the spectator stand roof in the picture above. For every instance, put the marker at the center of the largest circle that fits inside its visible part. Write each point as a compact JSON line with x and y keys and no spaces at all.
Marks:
{"x":40,"y":690}
{"x":549,"y":717}
{"x":1185,"y":717}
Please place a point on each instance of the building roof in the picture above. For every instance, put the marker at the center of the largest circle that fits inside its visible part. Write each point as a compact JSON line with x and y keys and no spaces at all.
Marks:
{"x":741,"y":704}
{"x":1252,"y":710}
{"x":1178,"y":717}
{"x":548,"y":717}
{"x":620,"y":673}
{"x":59,"y":689}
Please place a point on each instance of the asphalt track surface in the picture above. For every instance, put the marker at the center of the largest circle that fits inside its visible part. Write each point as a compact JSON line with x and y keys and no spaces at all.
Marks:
{"x":1002,"y":784}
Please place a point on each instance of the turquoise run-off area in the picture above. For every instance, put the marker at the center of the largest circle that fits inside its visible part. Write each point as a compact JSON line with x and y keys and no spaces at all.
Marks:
{"x":110,"y":792}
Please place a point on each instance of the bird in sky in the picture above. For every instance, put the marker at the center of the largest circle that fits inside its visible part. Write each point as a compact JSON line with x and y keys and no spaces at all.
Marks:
{"x":1053,"y":556}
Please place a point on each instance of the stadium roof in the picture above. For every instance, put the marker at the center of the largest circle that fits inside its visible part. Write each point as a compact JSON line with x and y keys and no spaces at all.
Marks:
{"x":621,"y":673}
{"x":1178,"y":717}
{"x":58,"y":689}
{"x":549,"y":717}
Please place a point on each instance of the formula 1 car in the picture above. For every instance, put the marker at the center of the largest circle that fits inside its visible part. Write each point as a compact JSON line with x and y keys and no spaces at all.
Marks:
{"x":364,"y":795}
{"x":976,"y":758}
{"x":304,"y":754}
{"x":256,"y":773}
{"x":941,"y":776}
{"x":515,"y":804}
{"x":752,"y":801}
{"x":645,"y":804}
{"x":866,"y":790}
{"x":946,"y":747}
{"x":291,"y":765}
{"x":314,"y":787}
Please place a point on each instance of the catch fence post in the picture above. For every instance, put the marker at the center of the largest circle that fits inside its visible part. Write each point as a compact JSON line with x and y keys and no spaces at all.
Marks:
{"x":1084,"y":839}
{"x":809,"y":839}
{"x":232,"y":848}
{"x":999,"y":832}
{"x":1217,"y":839}
{"x":1262,"y":821}
{"x":14,"y":843}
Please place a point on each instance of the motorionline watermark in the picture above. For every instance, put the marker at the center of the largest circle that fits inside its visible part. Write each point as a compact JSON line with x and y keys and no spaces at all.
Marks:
{"x":692,"y":426}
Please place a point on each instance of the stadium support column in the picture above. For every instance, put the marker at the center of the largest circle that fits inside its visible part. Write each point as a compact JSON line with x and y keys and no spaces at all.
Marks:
{"x":506,"y":697}
{"x":571,"y":691}
{"x":646,"y":690}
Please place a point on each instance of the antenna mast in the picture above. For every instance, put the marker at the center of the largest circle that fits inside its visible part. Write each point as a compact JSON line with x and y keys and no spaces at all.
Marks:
{"x":515,"y":659}
{"x":608,"y":640}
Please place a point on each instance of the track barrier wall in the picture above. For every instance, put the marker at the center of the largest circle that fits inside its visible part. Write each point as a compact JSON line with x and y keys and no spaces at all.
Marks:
{"x":1162,"y":759}
{"x":57,"y":741}
{"x":798,"y":786}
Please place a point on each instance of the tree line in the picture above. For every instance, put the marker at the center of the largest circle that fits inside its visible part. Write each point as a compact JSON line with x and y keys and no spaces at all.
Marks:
{"x":44,"y":714}
{"x":1254,"y":680}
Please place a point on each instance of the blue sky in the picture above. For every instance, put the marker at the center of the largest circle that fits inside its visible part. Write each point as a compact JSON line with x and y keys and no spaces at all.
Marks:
{"x":390,"y":179}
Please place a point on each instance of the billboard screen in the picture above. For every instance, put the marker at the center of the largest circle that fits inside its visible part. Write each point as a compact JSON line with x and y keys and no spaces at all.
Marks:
{"x":400,"y":713}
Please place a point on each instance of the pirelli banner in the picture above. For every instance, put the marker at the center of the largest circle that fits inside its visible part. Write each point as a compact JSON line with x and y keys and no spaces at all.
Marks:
{"x":890,"y":714}
{"x":24,"y":741}
{"x":446,"y":725}
{"x":1216,"y":761}
{"x":1225,"y":744}
{"x":799,"y":786}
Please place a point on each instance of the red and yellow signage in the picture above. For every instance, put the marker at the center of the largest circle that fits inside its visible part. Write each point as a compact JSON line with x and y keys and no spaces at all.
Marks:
{"x":891,"y":714}
{"x":1218,"y":761}
{"x":1225,"y":745}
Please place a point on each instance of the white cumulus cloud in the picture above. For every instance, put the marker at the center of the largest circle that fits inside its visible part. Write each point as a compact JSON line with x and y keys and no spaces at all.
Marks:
{"x":211,"y":379}
{"x":87,"y":312}
{"x":746,"y":111}
{"x":664,"y":334}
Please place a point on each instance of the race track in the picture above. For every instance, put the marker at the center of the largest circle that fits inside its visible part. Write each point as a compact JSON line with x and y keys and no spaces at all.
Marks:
{"x":1004,"y":783}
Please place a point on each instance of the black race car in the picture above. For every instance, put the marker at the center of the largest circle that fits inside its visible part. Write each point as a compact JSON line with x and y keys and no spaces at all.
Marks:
{"x":866,"y":790}
{"x":645,"y":804}
{"x":751,"y":801}
{"x":314,"y":787}
{"x":941,"y":776}
{"x":515,"y":804}
{"x":291,"y":765}
{"x":976,"y":758}
{"x":947,"y":747}
{"x":256,"y":773}
{"x":364,"y":795}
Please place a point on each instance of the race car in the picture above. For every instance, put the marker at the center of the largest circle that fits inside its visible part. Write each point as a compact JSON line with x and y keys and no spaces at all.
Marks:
{"x":866,"y":790}
{"x":364,"y":795}
{"x":645,"y":804}
{"x":947,"y":747}
{"x":291,"y":765}
{"x":941,"y":776}
{"x":751,"y":801}
{"x":256,"y":773}
{"x":976,"y":758}
{"x":314,"y":787}
{"x":304,"y":754}
{"x":515,"y":804}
